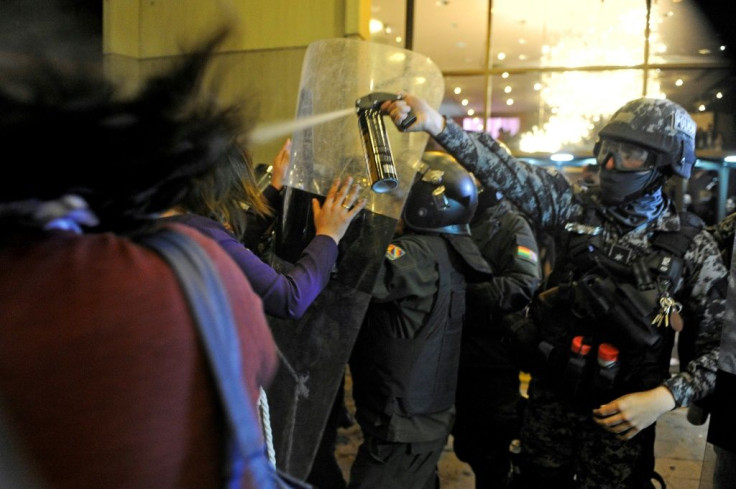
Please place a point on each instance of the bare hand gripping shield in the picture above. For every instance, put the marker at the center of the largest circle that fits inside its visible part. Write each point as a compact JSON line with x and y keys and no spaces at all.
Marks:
{"x":378,"y":156}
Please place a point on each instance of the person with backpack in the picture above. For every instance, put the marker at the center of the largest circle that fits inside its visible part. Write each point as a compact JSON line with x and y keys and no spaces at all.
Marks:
{"x":104,"y":378}
{"x":628,"y":268}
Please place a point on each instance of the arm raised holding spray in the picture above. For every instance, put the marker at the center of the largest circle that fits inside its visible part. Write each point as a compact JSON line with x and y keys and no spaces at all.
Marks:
{"x":427,"y":118}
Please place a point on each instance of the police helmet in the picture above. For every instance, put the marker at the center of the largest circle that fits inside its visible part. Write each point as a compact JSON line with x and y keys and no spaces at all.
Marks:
{"x":487,"y":196}
{"x":443,"y":198}
{"x":659,"y":125}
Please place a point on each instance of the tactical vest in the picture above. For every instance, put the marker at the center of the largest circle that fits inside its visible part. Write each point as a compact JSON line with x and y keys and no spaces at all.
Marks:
{"x":609,"y":294}
{"x":417,"y":375}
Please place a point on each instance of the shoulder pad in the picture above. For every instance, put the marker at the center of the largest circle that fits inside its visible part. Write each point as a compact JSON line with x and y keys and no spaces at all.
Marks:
{"x":677,"y":242}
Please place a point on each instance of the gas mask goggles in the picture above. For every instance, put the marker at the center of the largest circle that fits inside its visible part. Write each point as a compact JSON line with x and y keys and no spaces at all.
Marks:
{"x":633,"y":173}
{"x":627,"y":157}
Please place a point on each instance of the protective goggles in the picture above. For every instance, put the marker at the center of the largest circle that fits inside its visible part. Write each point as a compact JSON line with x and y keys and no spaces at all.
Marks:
{"x":627,"y":157}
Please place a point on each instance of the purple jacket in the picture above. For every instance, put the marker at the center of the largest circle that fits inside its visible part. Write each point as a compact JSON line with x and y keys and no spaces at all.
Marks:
{"x":284,"y":295}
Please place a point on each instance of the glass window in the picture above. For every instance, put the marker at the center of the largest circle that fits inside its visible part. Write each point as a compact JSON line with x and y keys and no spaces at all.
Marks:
{"x":567,"y":33}
{"x":562,"y":66}
{"x":705,"y":94}
{"x":464,"y":96}
{"x":388,"y":23}
{"x":682,"y":34}
{"x":462,"y":27}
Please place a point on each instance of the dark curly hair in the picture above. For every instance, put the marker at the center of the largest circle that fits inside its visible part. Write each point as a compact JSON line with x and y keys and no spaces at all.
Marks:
{"x":65,"y":129}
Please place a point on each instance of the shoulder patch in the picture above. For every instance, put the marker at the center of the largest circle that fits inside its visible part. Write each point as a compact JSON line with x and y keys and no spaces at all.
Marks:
{"x":394,"y":252}
{"x":526,"y":253}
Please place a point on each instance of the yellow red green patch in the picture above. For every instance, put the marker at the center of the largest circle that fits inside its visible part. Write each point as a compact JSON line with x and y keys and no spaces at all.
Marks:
{"x":524,"y":252}
{"x":394,"y":252}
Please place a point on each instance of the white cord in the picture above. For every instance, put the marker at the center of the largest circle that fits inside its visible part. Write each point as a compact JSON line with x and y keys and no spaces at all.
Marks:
{"x":266,"y":425}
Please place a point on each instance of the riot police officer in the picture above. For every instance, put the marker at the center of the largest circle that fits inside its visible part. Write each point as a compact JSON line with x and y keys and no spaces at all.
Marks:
{"x":628,"y":269}
{"x":405,"y":361}
{"x":489,"y":401}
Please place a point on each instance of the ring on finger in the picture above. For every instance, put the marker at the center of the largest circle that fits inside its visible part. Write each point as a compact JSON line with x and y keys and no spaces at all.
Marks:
{"x":346,"y":206}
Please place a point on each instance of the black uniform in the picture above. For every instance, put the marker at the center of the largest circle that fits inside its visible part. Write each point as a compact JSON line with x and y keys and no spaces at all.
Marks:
{"x":488,"y":395}
{"x":404,"y":363}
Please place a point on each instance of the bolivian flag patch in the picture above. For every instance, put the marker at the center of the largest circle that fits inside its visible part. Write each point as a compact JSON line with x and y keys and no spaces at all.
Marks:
{"x":394,"y":252}
{"x":526,"y":253}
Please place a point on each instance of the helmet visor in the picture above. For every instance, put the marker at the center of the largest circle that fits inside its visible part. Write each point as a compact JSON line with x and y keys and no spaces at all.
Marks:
{"x":627,"y":157}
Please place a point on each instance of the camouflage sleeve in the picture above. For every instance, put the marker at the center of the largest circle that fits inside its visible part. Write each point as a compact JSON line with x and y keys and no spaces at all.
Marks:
{"x":704,"y":306}
{"x":724,"y":230}
{"x":545,"y":196}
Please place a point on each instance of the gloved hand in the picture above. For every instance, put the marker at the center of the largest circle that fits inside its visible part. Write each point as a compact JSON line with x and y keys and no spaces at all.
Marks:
{"x":522,"y":336}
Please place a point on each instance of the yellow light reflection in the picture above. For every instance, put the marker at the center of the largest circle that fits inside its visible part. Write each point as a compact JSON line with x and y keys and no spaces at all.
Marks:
{"x":572,"y":102}
{"x":397,"y":57}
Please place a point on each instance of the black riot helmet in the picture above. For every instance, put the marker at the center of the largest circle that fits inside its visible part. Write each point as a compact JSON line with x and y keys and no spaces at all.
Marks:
{"x":443,"y":198}
{"x":658,"y":125}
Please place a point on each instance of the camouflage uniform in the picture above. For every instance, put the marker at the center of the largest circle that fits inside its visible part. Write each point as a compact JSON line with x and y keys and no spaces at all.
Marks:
{"x":722,"y":424}
{"x":723,"y":232}
{"x":556,"y":439}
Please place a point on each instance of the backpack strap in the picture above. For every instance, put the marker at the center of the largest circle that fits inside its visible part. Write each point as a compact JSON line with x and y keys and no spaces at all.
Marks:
{"x":677,"y":242}
{"x":668,"y":264}
{"x":213,"y":317}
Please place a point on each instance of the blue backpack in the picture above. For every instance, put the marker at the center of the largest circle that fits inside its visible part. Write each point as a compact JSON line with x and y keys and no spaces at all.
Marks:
{"x":212,"y":314}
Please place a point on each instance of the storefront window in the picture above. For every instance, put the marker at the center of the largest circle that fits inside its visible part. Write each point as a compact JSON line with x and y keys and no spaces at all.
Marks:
{"x":559,"y":68}
{"x":560,"y":65}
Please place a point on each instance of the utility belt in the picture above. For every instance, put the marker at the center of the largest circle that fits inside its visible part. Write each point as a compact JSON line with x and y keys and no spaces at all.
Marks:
{"x":586,"y":374}
{"x":618,"y":312}
{"x":606,"y":293}
{"x":593,"y":340}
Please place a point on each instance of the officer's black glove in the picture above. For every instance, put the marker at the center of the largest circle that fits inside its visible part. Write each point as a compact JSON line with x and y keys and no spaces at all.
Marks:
{"x":522,"y":336}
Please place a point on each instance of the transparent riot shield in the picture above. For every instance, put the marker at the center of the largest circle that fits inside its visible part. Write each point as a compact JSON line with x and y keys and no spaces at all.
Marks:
{"x":315,"y":349}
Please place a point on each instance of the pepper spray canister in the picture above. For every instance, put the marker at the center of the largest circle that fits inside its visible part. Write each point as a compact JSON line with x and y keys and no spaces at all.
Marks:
{"x":376,"y":146}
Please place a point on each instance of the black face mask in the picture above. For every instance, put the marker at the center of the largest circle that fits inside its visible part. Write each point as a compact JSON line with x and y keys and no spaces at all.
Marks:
{"x":632,"y":198}
{"x":621,"y":187}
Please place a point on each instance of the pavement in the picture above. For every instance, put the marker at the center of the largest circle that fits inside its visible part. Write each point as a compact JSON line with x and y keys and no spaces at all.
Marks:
{"x":680,"y":451}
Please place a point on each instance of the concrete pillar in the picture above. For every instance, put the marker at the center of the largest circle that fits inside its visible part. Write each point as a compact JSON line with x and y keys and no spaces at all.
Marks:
{"x":259,"y":63}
